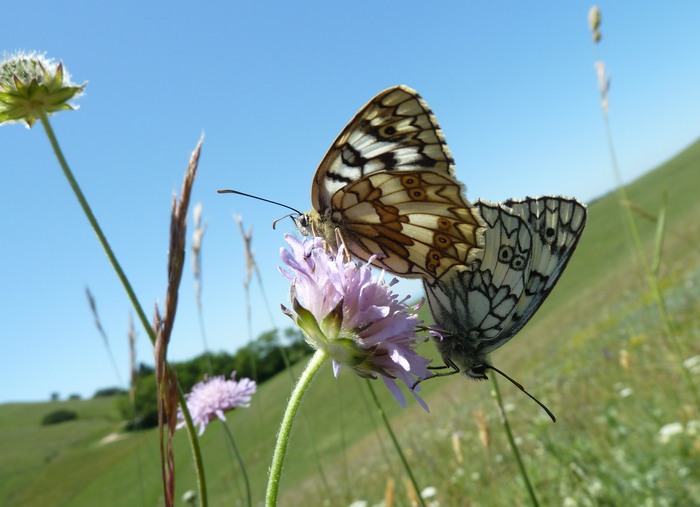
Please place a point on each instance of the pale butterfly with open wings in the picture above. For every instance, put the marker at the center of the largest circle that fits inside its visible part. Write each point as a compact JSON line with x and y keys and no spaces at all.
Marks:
{"x":387,"y":186}
{"x":527,"y":245}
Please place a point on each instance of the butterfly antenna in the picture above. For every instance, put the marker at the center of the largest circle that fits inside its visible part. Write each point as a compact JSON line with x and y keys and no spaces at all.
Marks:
{"x":262,"y":199}
{"x":519,"y":386}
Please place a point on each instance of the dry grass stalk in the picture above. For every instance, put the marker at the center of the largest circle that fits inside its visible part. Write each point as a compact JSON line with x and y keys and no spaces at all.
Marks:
{"x":389,"y":492}
{"x":483,"y":426}
{"x":163,"y":326}
{"x":411,"y":492}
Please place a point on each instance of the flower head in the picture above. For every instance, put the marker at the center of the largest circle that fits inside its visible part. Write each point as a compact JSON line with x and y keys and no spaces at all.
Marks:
{"x":353,"y":316}
{"x":212,"y":397}
{"x":32,"y":85}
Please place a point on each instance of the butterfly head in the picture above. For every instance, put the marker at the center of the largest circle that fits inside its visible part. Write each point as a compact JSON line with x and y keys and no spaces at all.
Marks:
{"x":301,"y":221}
{"x":478,"y":371}
{"x":312,"y":223}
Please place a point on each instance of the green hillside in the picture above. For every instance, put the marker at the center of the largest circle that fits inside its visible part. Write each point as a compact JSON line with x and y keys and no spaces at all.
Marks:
{"x":595,"y":353}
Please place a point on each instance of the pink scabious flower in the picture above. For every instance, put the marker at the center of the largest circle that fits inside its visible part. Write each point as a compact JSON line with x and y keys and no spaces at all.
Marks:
{"x":214,"y":396}
{"x":353,"y":316}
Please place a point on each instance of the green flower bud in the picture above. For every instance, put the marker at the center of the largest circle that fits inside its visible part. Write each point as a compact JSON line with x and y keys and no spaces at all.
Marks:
{"x":32,"y":85}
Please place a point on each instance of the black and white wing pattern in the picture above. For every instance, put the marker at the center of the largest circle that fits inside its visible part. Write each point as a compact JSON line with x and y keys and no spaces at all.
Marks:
{"x":482,"y":305}
{"x":556,"y":224}
{"x":387,"y":186}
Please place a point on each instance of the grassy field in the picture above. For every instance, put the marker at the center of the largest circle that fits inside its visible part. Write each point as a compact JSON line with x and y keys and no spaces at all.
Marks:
{"x":596,"y":354}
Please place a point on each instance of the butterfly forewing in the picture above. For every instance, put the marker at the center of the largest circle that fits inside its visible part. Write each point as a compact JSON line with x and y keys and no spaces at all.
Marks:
{"x":396,"y":130}
{"x":387,"y":187}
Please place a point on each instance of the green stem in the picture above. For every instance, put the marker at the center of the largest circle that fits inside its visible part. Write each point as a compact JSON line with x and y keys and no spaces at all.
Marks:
{"x":672,"y":341}
{"x":513,"y":445}
{"x":240,"y":462}
{"x":96,"y":226}
{"x":130,"y":292}
{"x":290,"y":412}
{"x":196,"y":450}
{"x":395,"y":441}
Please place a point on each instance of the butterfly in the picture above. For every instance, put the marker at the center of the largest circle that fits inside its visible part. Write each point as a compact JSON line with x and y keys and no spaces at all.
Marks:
{"x":527,"y":245}
{"x":387,"y":186}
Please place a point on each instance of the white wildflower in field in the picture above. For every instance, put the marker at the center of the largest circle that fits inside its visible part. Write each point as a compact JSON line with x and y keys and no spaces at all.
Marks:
{"x":692,"y":364}
{"x":625,"y":392}
{"x":692,"y":428}
{"x":669,"y":430}
{"x":595,"y":487}
{"x":428,"y":492}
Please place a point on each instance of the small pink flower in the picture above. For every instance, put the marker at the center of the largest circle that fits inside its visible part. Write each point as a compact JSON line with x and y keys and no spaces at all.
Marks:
{"x":215,"y":396}
{"x":353,"y":316}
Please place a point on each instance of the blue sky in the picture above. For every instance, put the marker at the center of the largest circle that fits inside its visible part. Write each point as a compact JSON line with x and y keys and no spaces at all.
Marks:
{"x":271,"y":85}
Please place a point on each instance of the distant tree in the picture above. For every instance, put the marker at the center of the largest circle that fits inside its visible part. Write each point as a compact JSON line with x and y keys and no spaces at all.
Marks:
{"x":55,"y":396}
{"x":144,"y":413}
{"x":109,"y":391}
{"x":144,"y":369}
{"x":58,"y":416}
{"x":74,"y":396}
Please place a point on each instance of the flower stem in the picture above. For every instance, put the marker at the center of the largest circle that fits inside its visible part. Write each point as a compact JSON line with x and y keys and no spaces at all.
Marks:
{"x":290,"y":412}
{"x":196,"y":451}
{"x":513,"y":445}
{"x":201,"y":481}
{"x":240,"y":462}
{"x":95,"y":225}
{"x":395,"y":441}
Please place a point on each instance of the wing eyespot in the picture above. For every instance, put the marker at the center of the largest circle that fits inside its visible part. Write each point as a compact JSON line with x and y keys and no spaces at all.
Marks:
{"x":505,"y":254}
{"x":442,"y":241}
{"x":410,"y":181}
{"x":443,"y":224}
{"x":518,"y":263}
{"x":432,"y":261}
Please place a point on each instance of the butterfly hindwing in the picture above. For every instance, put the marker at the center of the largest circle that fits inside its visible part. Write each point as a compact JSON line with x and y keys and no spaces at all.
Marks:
{"x":476,"y":303}
{"x":527,"y":244}
{"x":418,"y":221}
{"x":556,"y":224}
